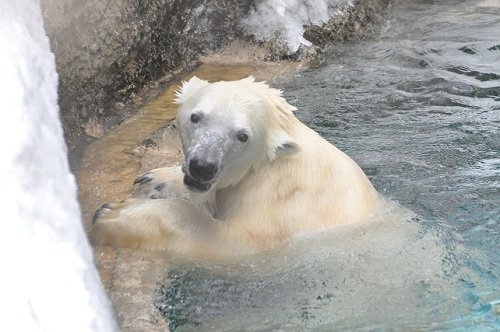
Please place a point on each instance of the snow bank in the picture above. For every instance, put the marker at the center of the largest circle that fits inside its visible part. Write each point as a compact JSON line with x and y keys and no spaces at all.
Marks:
{"x":48,"y":280}
{"x":285,"y":19}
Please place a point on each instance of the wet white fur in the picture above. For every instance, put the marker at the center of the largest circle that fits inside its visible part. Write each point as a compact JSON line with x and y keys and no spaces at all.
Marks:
{"x":285,"y":180}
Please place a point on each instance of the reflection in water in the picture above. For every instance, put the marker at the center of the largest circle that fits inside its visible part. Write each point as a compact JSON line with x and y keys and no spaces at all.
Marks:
{"x":418,"y":107}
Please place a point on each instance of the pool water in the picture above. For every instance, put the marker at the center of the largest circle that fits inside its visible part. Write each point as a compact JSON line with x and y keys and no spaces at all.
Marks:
{"x":417,"y":105}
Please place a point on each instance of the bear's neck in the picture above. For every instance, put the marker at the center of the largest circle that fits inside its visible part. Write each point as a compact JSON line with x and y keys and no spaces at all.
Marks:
{"x":250,"y":191}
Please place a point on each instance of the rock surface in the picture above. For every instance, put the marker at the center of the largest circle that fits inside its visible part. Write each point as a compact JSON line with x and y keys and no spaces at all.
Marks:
{"x":108,"y":51}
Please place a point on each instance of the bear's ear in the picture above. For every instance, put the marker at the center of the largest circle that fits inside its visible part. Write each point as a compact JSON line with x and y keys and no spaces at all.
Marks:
{"x":287,"y":148}
{"x":188,"y":89}
{"x":284,"y":145}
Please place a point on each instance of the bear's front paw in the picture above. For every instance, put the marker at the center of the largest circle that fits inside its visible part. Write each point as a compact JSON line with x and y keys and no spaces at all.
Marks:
{"x":161,"y":183}
{"x":110,"y":212}
{"x":109,"y":226}
{"x":101,"y":212}
{"x":148,"y":186}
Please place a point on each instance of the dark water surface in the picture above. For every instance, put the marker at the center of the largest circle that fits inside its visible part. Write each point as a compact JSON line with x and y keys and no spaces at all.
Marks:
{"x":417,"y":105}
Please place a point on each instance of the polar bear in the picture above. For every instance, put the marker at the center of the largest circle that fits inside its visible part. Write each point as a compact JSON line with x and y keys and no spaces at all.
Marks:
{"x":253,"y":176}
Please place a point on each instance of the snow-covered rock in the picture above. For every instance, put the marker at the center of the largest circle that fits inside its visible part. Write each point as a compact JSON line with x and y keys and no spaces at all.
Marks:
{"x":285,"y":19}
{"x":48,"y":280}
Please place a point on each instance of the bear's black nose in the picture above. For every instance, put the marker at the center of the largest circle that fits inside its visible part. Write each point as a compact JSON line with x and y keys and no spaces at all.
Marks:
{"x":202,"y":171}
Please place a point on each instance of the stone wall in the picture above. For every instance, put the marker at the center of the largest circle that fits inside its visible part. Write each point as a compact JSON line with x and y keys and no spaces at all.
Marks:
{"x":108,"y":50}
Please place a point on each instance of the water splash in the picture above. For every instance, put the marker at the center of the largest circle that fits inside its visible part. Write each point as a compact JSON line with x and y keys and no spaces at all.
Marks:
{"x":286,"y":19}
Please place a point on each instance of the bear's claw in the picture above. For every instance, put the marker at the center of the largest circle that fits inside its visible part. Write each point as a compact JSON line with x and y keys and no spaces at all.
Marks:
{"x":144,"y":178}
{"x":160,"y":183}
{"x":108,"y":211}
{"x":105,"y":208}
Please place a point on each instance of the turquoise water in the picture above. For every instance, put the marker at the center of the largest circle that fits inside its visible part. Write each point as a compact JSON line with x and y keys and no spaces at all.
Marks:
{"x":417,"y":105}
{"x":419,"y":109}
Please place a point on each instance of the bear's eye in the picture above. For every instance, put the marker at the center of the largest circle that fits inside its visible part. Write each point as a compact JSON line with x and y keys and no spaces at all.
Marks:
{"x":242,"y":137}
{"x":195,"y":118}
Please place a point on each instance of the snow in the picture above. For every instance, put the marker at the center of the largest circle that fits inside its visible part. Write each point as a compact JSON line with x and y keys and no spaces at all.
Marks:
{"x":48,"y":279}
{"x":287,"y":18}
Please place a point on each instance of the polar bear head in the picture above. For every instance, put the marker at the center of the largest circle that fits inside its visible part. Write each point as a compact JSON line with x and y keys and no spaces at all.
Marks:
{"x":228,"y":128}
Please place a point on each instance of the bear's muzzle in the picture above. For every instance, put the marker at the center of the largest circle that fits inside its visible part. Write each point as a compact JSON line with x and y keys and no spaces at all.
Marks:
{"x":196,"y":186}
